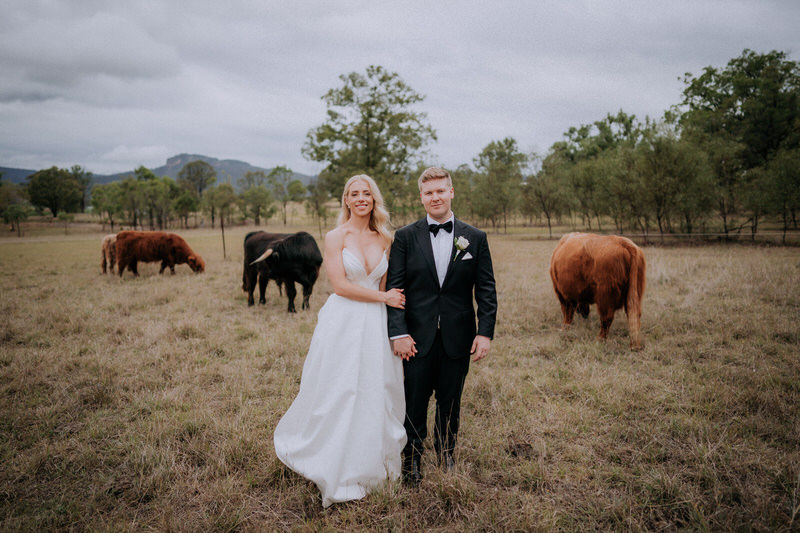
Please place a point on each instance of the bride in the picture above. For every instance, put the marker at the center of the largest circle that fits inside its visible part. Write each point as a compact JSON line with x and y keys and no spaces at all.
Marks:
{"x":344,"y":430}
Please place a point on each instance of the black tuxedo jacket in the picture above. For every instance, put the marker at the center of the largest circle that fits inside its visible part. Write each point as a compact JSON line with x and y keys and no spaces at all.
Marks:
{"x":449,"y":307}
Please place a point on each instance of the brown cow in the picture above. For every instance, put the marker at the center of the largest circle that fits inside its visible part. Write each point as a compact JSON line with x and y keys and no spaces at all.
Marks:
{"x":109,"y":251}
{"x":149,"y":246}
{"x":604,"y":269}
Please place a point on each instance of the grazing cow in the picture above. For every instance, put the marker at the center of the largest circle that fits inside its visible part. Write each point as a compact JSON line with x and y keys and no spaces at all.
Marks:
{"x":150,"y":246}
{"x":109,"y":251}
{"x":604,"y":269}
{"x":286,"y":258}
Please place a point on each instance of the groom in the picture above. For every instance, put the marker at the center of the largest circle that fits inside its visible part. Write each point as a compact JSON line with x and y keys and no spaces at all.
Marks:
{"x":438,"y":261}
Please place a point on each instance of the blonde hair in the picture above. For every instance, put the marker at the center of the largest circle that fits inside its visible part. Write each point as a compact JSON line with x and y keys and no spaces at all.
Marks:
{"x":434,"y":173}
{"x":379,"y":217}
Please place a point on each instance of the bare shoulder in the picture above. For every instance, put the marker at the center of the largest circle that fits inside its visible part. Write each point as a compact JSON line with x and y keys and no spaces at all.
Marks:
{"x":334,"y":239}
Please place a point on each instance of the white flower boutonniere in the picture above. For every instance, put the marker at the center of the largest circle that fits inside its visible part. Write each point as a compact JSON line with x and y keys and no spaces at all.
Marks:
{"x":461,"y":244}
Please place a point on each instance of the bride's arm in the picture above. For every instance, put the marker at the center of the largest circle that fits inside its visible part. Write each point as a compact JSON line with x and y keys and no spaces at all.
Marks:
{"x":334,"y":244}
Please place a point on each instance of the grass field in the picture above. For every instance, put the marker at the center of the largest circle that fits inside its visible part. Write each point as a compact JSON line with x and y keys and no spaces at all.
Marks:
{"x":149,"y":403}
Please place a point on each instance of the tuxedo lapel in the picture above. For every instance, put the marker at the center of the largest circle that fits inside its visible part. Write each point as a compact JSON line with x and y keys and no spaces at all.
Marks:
{"x":424,"y":242}
{"x":458,"y":230}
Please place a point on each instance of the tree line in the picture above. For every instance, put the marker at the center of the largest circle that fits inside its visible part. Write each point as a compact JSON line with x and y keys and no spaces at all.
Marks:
{"x":725,"y":159}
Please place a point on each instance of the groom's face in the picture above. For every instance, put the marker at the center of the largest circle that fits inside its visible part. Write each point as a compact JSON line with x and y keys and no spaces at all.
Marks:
{"x":437,"y":196}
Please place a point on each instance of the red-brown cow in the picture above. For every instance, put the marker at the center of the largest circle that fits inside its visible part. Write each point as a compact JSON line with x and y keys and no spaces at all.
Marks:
{"x":109,"y":251}
{"x":150,"y":246}
{"x":604,"y":269}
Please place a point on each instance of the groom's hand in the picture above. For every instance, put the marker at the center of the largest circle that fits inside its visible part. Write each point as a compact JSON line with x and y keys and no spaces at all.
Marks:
{"x":404,"y":347}
{"x":480,"y":347}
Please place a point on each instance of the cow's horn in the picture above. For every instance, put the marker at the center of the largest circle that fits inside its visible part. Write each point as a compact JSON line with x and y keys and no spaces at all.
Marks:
{"x":264,"y":256}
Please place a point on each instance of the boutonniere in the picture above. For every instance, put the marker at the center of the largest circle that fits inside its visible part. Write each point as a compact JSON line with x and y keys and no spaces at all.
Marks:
{"x":461,"y":244}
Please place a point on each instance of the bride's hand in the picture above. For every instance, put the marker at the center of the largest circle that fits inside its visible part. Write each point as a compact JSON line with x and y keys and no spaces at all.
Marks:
{"x":395,"y":298}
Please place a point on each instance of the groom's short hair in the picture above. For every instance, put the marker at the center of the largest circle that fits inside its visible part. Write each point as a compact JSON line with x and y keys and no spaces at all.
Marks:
{"x":434,"y":173}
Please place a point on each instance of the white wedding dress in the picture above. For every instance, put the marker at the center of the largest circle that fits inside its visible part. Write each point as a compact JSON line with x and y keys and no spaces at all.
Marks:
{"x":344,"y":430}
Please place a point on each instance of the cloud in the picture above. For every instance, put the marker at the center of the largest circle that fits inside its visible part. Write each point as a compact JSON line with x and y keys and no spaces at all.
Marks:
{"x":105,"y":84}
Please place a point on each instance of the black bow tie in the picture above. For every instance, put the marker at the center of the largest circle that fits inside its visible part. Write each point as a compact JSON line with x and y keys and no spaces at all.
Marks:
{"x":447,"y":226}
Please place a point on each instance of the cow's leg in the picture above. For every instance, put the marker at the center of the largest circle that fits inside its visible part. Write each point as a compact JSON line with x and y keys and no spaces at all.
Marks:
{"x":249,"y":288}
{"x":291,"y":292}
{"x":172,"y":268}
{"x":306,"y":295}
{"x":103,"y":264}
{"x":567,"y":311}
{"x":263,"y":280}
{"x":163,"y":266}
{"x":133,"y":267}
{"x":606,"y":313}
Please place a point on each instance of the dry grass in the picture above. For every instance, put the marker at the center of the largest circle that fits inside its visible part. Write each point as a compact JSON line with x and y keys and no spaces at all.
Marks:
{"x":149,"y":403}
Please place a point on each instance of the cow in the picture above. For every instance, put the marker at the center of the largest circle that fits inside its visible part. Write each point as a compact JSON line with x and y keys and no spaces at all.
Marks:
{"x":607,"y":270}
{"x":285,"y":257}
{"x":150,"y":246}
{"x":109,"y":251}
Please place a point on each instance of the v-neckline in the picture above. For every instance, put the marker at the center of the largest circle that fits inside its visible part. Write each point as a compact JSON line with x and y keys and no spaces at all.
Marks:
{"x":364,"y":265}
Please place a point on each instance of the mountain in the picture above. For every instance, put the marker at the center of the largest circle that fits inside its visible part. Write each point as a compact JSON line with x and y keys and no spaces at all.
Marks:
{"x":15,"y":175}
{"x":227,"y":170}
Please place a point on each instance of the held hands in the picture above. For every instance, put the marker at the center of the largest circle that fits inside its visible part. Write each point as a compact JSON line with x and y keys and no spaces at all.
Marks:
{"x":404,"y":347}
{"x":480,"y":347}
{"x":395,"y":298}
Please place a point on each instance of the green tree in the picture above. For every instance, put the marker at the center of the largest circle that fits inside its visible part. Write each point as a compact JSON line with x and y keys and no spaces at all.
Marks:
{"x":132,"y":201}
{"x":784,"y":192}
{"x":14,"y":206}
{"x":223,"y":201}
{"x":743,"y":115}
{"x":55,"y":189}
{"x":285,"y":188}
{"x":184,"y":205}
{"x":84,"y":179}
{"x":107,"y":202}
{"x":674,"y":175}
{"x":545,"y":191}
{"x":253,"y":178}
{"x":317,"y":200}
{"x":371,"y":128}
{"x":257,"y":203}
{"x":499,"y":179}
{"x":196,"y":177}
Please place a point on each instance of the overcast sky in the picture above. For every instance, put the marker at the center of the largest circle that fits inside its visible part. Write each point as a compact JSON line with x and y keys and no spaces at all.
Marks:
{"x":111,"y":85}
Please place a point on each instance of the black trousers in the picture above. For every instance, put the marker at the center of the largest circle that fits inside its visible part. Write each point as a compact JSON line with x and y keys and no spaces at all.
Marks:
{"x":424,"y":376}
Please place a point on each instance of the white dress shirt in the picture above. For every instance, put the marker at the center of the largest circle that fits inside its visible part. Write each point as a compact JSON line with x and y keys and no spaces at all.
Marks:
{"x":442,"y":244}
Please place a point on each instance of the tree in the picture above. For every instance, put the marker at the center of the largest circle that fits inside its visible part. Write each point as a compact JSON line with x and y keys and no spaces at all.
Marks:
{"x":197,"y":176}
{"x":107,"y":202}
{"x":84,"y":179}
{"x":498,"y":183}
{"x":184,"y":205}
{"x":370,"y":129}
{"x":14,"y":207}
{"x":316,"y":203}
{"x":743,"y":115}
{"x":257,"y":203}
{"x":544,"y":192}
{"x":55,"y":189}
{"x":223,"y":200}
{"x":285,"y":188}
{"x":784,"y":193}
{"x":253,"y":178}
{"x":132,"y":200}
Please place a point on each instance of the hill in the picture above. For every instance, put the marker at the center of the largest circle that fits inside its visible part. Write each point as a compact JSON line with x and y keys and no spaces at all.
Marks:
{"x":227,"y":169}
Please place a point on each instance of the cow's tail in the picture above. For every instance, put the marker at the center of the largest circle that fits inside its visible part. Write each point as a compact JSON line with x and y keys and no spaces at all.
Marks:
{"x":633,"y":306}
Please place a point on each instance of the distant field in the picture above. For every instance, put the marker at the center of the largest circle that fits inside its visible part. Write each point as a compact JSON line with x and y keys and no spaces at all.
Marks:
{"x":149,"y":403}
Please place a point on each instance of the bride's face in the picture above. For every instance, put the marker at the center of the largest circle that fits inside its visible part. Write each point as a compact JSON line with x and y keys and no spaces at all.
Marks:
{"x":359,"y":198}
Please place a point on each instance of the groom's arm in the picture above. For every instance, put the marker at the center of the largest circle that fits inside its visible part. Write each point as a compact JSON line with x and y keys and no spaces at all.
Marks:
{"x":396,"y":279}
{"x":485,"y":291}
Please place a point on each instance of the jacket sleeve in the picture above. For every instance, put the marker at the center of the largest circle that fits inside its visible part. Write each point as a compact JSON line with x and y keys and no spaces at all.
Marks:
{"x":396,"y":279}
{"x":485,"y":291}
